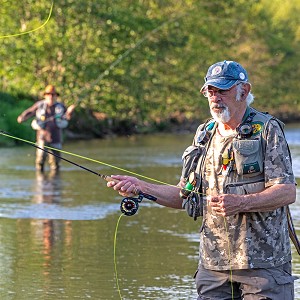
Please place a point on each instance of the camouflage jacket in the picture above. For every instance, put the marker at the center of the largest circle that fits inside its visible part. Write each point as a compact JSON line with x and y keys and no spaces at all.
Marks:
{"x":254,"y":239}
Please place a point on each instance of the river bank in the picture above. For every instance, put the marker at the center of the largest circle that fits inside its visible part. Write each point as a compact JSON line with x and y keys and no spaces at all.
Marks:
{"x":97,"y":125}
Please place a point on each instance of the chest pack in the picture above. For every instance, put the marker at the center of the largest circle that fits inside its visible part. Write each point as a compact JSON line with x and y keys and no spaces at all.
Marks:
{"x":40,"y":121}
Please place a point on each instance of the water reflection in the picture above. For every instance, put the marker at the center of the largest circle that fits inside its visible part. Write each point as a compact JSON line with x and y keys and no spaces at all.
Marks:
{"x":47,"y":187}
{"x":49,"y":233}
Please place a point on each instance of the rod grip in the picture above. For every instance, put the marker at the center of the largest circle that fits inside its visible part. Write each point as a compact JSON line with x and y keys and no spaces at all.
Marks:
{"x":108,"y":178}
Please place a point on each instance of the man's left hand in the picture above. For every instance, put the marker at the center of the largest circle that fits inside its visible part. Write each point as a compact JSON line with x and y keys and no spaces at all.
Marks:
{"x":225,"y":204}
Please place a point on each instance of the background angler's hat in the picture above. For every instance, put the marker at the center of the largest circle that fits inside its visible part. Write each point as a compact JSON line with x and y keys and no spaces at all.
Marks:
{"x":224,"y":75}
{"x":50,"y":89}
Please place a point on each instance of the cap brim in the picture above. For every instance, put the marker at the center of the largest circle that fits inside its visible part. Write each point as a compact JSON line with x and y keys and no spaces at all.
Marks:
{"x":220,"y":83}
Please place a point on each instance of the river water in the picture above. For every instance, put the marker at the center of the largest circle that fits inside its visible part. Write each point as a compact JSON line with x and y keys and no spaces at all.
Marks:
{"x":59,"y":237}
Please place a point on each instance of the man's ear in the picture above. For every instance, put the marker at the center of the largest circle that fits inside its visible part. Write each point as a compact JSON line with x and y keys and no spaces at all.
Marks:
{"x":246,"y":90}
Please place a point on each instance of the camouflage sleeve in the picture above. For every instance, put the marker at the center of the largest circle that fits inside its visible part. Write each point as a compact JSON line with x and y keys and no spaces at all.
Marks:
{"x":278,"y":163}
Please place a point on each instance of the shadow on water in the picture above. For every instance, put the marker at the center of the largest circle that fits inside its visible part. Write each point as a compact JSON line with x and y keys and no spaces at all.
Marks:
{"x":57,"y":230}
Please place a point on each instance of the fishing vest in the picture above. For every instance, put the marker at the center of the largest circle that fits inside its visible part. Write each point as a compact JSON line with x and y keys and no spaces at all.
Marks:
{"x":247,"y":174}
{"x":41,"y":119}
{"x":245,"y":167}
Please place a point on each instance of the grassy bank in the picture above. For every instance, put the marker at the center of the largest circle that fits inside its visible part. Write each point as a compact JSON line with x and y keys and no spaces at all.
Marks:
{"x":87,"y":124}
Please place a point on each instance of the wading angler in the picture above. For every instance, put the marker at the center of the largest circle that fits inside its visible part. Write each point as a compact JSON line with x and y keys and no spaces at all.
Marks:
{"x":237,"y":175}
{"x":50,"y":117}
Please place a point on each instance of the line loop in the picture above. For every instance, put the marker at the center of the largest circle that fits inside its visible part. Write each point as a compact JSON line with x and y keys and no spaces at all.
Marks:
{"x":32,"y":30}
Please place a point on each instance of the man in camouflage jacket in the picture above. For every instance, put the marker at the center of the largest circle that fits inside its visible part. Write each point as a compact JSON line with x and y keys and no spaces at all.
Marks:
{"x":237,"y":175}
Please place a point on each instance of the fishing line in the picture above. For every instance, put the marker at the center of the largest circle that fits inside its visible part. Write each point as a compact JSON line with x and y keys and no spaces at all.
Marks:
{"x":83,"y":157}
{"x":229,"y":254}
{"x":138,"y":43}
{"x":108,"y":179}
{"x":125,"y":54}
{"x":115,"y":260}
{"x":102,"y":75}
{"x":32,"y":30}
{"x":129,"y":205}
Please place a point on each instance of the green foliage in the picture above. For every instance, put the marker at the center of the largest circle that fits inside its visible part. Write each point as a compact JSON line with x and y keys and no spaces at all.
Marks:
{"x":142,"y":62}
{"x":8,"y":119}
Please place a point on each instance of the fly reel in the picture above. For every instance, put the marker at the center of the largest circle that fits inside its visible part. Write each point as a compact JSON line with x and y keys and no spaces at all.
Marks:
{"x":129,"y":205}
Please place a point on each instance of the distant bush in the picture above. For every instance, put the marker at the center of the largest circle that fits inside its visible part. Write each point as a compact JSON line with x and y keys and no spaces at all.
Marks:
{"x":10,"y":108}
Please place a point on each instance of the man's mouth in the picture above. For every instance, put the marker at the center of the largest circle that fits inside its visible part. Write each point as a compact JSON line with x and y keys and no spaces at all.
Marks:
{"x":218,"y":107}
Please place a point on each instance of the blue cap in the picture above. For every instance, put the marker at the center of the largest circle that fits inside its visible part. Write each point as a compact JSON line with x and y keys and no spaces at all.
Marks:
{"x":224,"y":75}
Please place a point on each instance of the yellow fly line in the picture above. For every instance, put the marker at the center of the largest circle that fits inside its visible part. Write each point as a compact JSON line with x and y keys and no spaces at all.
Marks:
{"x":32,"y":30}
{"x":87,"y":158}
{"x":97,"y":161}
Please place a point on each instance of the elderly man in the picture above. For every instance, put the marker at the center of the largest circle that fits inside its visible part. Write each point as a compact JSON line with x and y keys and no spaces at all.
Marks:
{"x":51,"y":117}
{"x":238,"y":175}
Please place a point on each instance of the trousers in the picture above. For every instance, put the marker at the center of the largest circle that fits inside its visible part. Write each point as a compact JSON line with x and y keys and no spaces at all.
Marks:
{"x":250,"y":284}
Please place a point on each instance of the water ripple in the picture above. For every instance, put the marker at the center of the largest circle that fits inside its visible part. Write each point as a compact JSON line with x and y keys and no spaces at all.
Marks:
{"x":57,"y":212}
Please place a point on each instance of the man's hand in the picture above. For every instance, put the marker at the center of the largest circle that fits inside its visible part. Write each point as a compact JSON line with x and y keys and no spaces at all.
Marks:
{"x":225,"y":204}
{"x":71,"y":108}
{"x":69,"y":111}
{"x":19,"y":119}
{"x":125,"y":185}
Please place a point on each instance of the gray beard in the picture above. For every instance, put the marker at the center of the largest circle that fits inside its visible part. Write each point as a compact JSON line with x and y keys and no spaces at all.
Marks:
{"x":222,"y":117}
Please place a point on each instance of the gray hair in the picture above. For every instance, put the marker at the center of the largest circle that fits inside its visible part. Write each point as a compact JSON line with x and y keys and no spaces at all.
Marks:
{"x":239,"y":90}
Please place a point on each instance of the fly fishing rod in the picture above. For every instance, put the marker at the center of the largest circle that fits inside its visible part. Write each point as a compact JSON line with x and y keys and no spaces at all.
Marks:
{"x":129,"y":205}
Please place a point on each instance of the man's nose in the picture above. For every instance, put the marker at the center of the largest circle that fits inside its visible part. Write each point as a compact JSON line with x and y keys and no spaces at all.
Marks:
{"x":215,"y":97}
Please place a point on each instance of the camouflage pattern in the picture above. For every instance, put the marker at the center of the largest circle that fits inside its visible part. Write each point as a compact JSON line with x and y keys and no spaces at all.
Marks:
{"x":246,"y":240}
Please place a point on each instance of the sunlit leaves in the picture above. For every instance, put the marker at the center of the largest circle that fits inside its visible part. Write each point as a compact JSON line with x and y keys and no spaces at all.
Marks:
{"x":145,"y":60}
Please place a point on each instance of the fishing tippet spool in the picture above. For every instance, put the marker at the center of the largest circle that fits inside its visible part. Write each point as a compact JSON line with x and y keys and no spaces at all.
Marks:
{"x":186,"y":191}
{"x":245,"y":130}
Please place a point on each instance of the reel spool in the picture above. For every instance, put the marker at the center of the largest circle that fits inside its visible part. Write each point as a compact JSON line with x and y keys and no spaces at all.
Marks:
{"x":129,"y":206}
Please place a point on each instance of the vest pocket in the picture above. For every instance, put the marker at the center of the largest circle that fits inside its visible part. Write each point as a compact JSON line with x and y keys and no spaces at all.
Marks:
{"x":245,"y":188}
{"x":248,"y":157}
